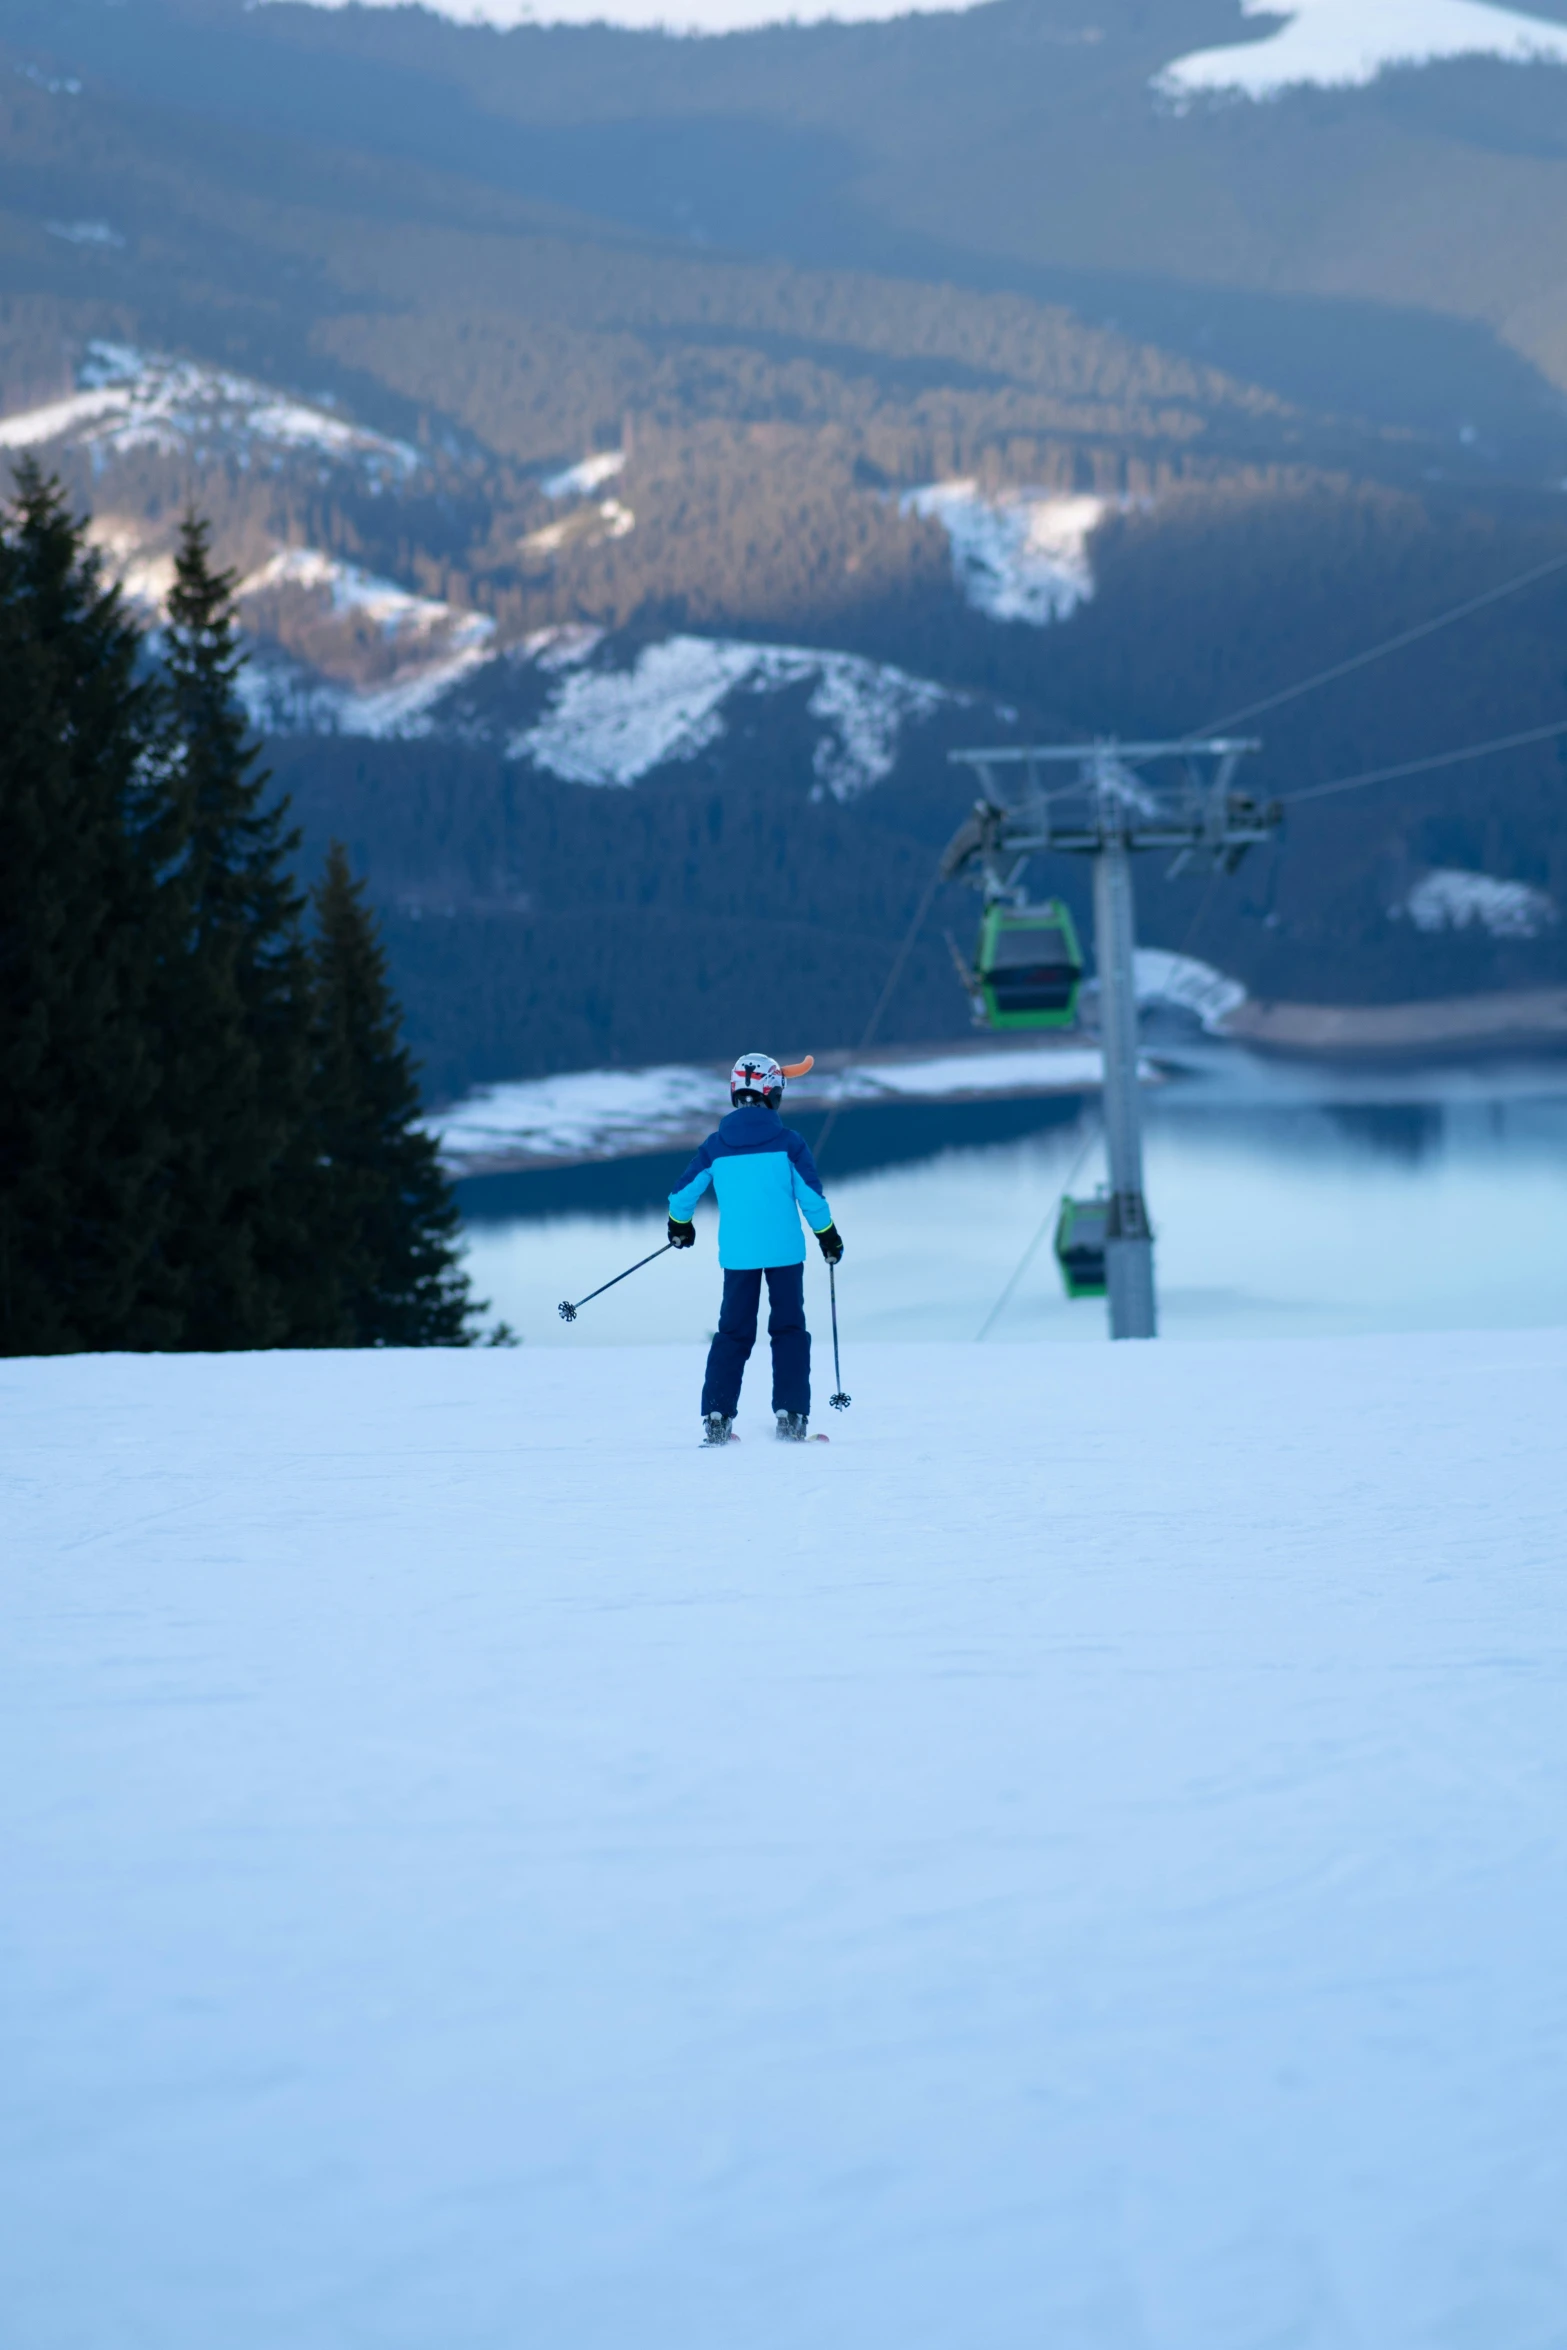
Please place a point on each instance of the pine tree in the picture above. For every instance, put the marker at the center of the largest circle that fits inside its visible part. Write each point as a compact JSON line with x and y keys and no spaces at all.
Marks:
{"x":84,"y":833}
{"x":391,"y":1223}
{"x":235,"y":1003}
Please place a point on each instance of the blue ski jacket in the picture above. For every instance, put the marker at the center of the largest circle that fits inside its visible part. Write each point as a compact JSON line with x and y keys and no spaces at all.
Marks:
{"x":764,"y":1176}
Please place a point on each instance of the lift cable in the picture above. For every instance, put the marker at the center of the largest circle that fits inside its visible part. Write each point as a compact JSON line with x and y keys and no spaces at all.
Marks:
{"x":1393,"y":644}
{"x":885,"y":998}
{"x":1408,"y":636}
{"x":1501,"y":742}
{"x":1091,"y":1136}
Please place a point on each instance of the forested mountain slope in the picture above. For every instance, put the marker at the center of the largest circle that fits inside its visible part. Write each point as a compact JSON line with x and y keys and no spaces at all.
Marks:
{"x":635,"y":447}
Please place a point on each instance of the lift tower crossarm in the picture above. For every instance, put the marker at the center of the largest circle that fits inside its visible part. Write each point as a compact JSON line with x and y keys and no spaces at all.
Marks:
{"x":1108,"y":811}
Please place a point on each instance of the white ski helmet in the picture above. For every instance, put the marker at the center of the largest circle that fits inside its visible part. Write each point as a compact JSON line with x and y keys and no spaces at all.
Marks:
{"x":757,"y":1077}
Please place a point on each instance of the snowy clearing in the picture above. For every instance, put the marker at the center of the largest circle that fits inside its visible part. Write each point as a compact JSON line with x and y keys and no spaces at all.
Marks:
{"x":343,"y":588}
{"x":133,"y":400}
{"x":1339,"y":43}
{"x":1017,"y":555}
{"x":1079,"y":1861}
{"x":579,"y":481}
{"x":1450,"y":899}
{"x":613,"y":726}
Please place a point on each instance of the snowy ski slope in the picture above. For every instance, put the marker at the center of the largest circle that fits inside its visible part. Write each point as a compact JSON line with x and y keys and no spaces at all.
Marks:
{"x":1080,"y":1862}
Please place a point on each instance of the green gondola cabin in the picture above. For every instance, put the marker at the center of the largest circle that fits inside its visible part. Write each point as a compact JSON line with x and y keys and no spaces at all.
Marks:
{"x":1080,"y":1245}
{"x":1028,"y":966}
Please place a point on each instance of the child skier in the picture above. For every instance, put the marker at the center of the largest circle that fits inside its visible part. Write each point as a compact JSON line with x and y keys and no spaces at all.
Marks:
{"x":764,"y":1176}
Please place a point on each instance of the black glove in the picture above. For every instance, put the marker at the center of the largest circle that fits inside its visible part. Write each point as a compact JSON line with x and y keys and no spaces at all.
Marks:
{"x":831,"y":1244}
{"x":681,"y":1235}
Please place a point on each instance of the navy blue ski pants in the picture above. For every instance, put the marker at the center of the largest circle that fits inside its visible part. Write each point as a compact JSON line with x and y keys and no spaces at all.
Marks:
{"x":736,"y":1335}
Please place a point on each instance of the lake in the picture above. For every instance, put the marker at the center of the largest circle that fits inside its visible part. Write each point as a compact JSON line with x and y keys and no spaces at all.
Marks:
{"x":1287,"y":1201}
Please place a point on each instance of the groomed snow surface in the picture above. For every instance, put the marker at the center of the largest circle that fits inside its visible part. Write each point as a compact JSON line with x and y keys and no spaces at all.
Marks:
{"x":1076,"y":1861}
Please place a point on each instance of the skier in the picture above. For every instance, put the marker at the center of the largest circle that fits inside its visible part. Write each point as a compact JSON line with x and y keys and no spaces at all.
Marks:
{"x":764,"y":1176}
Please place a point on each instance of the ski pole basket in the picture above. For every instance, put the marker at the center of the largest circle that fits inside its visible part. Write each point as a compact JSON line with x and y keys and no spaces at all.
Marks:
{"x":1081,"y":1230}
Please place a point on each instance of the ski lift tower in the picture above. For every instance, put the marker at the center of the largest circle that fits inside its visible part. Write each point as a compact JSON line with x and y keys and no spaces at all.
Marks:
{"x":1109,"y":809}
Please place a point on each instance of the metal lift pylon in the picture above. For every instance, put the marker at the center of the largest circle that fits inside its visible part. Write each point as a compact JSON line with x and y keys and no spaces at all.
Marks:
{"x":1110,"y":810}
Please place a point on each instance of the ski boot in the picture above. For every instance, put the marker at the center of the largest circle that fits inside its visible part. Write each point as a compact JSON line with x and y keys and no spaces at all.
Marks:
{"x":793,"y":1427}
{"x":716,"y":1427}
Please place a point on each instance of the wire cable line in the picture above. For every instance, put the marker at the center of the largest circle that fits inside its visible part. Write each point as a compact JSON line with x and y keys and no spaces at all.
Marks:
{"x":1501,"y":742}
{"x":885,"y":998}
{"x":1392,"y":644}
{"x":1090,"y":1137}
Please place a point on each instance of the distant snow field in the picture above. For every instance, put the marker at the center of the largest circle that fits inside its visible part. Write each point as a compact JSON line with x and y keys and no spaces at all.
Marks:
{"x":131,"y":400}
{"x":1335,"y":43}
{"x":613,"y":726}
{"x":1016,"y":554}
{"x":579,"y":481}
{"x":1329,"y":42}
{"x":1450,"y":899}
{"x":1077,"y":1861}
{"x":666,"y":16}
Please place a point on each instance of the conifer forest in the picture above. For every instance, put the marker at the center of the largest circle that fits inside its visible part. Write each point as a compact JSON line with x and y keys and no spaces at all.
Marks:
{"x":208,"y":1136}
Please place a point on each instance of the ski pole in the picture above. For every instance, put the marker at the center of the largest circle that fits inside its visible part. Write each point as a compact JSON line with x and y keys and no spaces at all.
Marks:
{"x":840,"y":1402}
{"x":569,"y":1312}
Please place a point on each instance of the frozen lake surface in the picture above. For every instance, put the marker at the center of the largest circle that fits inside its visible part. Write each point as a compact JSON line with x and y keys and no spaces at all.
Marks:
{"x":1286,"y":1203}
{"x":1078,"y":1863}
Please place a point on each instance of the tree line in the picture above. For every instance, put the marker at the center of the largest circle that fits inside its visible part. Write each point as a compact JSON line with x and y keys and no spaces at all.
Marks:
{"x":208,"y":1131}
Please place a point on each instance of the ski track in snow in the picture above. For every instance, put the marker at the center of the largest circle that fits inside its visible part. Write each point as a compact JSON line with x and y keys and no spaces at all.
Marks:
{"x":1016,"y":554}
{"x":613,"y":726}
{"x":1082,"y":1864}
{"x":1344,"y":43}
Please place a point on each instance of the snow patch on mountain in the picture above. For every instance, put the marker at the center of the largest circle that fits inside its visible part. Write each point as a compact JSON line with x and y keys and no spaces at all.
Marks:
{"x":395,"y":611}
{"x":564,"y":646}
{"x":615,"y":726}
{"x":425,"y":647}
{"x":1450,"y":899}
{"x":584,"y":526}
{"x":687,"y":18}
{"x":283,"y":696}
{"x":1347,"y":43}
{"x":1187,"y":984}
{"x":85,"y":232}
{"x":1016,"y":554}
{"x":128,"y":400}
{"x":580,"y":481}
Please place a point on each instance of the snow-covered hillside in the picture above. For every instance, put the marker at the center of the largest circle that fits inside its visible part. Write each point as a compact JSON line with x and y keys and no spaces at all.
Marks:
{"x":609,"y":724}
{"x":128,"y":400}
{"x":1451,"y":899}
{"x":1018,"y":554}
{"x":1078,"y":1860}
{"x":1335,"y":43}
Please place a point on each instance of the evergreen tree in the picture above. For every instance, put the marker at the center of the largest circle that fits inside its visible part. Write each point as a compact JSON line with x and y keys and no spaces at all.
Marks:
{"x":391,"y":1221}
{"x":235,"y":1007}
{"x":84,"y":835}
